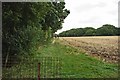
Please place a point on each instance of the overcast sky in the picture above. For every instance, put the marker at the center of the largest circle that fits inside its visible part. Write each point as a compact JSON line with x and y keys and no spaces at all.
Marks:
{"x":90,"y":13}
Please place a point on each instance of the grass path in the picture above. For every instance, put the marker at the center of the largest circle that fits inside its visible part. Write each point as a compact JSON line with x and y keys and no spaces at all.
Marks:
{"x":71,"y":64}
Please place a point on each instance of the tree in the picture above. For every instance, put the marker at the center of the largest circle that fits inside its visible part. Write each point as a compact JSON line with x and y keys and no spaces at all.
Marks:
{"x":27,"y":25}
{"x":55,"y":17}
{"x":107,"y":30}
{"x":90,"y":32}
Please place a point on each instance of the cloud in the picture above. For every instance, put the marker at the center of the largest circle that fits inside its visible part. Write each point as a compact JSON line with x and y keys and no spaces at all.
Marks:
{"x":84,"y":7}
{"x":95,"y":13}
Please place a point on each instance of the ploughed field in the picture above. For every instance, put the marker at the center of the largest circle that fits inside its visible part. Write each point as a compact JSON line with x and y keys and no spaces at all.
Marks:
{"x":101,"y":47}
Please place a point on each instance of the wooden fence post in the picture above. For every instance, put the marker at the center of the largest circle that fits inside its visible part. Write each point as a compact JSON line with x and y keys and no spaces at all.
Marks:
{"x":38,"y":71}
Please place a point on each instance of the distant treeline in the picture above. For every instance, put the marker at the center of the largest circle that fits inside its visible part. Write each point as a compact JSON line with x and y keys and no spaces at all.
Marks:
{"x":105,"y":30}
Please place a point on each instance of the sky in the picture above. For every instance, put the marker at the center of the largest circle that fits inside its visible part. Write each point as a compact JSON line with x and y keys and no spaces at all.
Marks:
{"x":90,"y":13}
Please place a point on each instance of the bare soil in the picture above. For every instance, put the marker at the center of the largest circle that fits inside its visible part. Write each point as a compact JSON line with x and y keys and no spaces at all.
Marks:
{"x":102,"y":47}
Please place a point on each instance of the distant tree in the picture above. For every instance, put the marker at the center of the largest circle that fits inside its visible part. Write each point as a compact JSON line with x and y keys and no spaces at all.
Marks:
{"x":107,"y":30}
{"x":118,"y":31}
{"x":79,"y":32}
{"x":89,"y":31}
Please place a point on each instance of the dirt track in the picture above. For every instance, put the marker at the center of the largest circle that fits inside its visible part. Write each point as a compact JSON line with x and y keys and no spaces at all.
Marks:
{"x":102,"y":47}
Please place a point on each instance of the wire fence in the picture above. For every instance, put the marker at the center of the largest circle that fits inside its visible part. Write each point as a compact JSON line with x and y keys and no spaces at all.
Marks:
{"x":49,"y":67}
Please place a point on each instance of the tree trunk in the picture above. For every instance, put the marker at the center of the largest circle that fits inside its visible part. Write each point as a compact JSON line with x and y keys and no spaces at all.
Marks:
{"x":7,"y":56}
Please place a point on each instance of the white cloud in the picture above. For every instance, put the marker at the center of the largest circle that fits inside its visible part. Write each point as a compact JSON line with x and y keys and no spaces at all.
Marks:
{"x":93,"y":13}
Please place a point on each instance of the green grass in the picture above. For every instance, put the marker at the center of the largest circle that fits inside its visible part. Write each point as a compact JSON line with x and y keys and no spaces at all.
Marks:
{"x":72,"y":64}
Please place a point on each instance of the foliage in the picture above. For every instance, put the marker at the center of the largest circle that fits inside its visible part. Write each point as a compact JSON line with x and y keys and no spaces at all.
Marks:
{"x":26,"y":26}
{"x":105,"y":30}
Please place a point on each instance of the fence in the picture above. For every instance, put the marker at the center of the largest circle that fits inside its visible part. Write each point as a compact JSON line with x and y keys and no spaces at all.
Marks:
{"x":49,"y":67}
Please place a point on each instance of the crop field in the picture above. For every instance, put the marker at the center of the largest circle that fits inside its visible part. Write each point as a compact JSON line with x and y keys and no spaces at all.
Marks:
{"x":102,"y":47}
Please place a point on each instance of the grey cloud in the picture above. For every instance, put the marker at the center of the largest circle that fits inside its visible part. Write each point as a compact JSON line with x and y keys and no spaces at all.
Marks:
{"x":89,"y":6}
{"x":112,"y":12}
{"x":90,"y":20}
{"x":119,"y":14}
